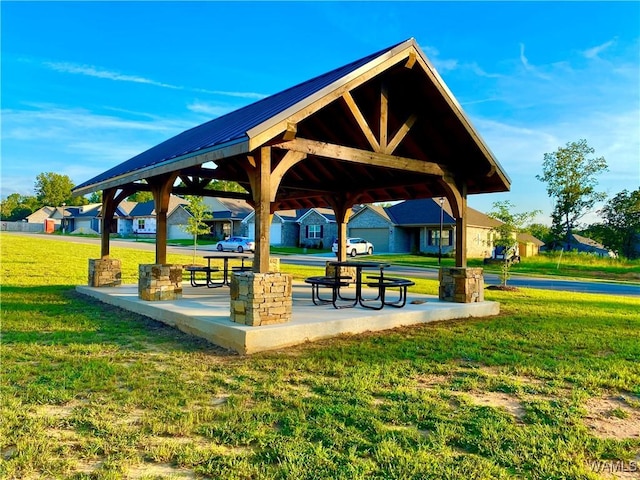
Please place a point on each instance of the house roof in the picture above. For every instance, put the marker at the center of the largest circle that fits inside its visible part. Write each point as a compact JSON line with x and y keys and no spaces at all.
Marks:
{"x":589,"y":242}
{"x":424,"y":211}
{"x":336,"y":122}
{"x":528,"y":238}
{"x":327,"y":213}
{"x":147,"y":209}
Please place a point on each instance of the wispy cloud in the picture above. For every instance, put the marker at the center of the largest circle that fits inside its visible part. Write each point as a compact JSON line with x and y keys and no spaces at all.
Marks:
{"x":98,"y":72}
{"x":594,"y":52}
{"x":209,"y":109}
{"x":528,"y":66}
{"x":253,"y":95}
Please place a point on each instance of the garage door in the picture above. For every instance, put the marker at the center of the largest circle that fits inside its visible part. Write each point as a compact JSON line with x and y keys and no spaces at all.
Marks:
{"x":378,"y":236}
{"x":176,"y":232}
{"x":275,"y":233}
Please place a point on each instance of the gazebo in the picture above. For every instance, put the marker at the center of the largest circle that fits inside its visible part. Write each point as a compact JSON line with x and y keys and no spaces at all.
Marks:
{"x":379,"y":129}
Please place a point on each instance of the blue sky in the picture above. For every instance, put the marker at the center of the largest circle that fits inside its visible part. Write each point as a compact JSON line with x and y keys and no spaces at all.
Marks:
{"x":88,"y":85}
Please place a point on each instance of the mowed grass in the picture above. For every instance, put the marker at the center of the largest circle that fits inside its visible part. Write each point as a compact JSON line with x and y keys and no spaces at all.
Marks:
{"x":91,"y":391}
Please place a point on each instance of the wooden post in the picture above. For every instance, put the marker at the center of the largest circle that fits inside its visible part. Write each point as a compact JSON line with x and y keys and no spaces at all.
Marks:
{"x":108,"y":208}
{"x":342,"y":210}
{"x":161,"y":189}
{"x":461,"y":229}
{"x":261,"y":198}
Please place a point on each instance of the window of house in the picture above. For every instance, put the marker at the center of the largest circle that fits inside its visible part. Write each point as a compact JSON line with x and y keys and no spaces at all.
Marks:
{"x":141,"y":224}
{"x":314,"y":231}
{"x":433,"y":237}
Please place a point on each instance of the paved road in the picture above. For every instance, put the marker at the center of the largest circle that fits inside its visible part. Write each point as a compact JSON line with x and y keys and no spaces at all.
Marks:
{"x":546,"y":283}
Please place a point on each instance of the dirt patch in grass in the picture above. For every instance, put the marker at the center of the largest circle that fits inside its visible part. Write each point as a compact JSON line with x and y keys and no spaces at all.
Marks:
{"x":613,"y":417}
{"x":159,"y":470}
{"x":432,"y":380}
{"x":499,"y":400}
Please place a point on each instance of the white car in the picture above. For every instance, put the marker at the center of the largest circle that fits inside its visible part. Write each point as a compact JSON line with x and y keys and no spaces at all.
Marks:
{"x":236,"y":244}
{"x":355,"y":246}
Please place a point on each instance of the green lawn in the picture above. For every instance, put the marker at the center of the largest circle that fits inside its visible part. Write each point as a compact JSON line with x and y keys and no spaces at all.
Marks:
{"x":549,"y":389}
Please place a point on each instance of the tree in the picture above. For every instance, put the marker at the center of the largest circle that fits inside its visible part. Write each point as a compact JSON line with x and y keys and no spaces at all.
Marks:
{"x":540,"y":231}
{"x":54,"y":189}
{"x":621,"y":217}
{"x":195,"y":225}
{"x":95,"y":197}
{"x":16,"y":207}
{"x":140,"y":197}
{"x":507,"y":231}
{"x":570,"y":175}
{"x":225,"y":186}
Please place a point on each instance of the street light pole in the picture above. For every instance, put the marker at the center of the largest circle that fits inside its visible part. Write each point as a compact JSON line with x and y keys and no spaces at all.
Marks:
{"x":440,"y":236}
{"x":62,"y":221}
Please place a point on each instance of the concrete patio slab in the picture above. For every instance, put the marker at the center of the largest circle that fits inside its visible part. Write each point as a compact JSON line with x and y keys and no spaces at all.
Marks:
{"x":204,"y":312}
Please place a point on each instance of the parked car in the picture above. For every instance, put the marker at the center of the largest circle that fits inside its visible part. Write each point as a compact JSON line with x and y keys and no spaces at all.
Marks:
{"x":236,"y":244}
{"x":355,"y":246}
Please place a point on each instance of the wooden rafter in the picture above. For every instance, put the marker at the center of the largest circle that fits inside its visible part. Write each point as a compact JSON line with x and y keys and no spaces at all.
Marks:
{"x":362,"y":122}
{"x":400,"y":134}
{"x":384,"y":117}
{"x":340,"y":152}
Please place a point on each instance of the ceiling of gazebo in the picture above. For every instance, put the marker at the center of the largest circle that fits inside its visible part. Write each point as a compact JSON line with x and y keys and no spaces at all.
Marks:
{"x":387,"y":130}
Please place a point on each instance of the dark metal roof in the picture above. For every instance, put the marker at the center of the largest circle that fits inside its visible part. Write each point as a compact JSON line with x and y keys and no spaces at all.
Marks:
{"x":425,"y":211}
{"x":230,"y":128}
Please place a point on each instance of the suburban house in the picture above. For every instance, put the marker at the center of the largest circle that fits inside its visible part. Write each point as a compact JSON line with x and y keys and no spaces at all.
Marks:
{"x":285,"y":229}
{"x":588,"y":245}
{"x":143,"y":218}
{"x":228,"y":216}
{"x":528,"y":245}
{"x":409,"y":226}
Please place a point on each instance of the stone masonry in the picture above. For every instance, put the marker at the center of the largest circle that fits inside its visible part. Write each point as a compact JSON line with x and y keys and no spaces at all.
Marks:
{"x":159,"y":282}
{"x":261,"y":298}
{"x":461,"y":285}
{"x":104,"y":272}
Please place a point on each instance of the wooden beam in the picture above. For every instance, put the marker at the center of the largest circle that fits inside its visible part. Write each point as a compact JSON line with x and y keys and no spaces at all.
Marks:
{"x":161,"y":187}
{"x":108,"y":208}
{"x":411,"y":60}
{"x":261,"y":195}
{"x":400,"y":134}
{"x":289,"y":160}
{"x":205,"y":192}
{"x":362,"y":122}
{"x":340,"y":152}
{"x":290,"y":132}
{"x":384,"y":116}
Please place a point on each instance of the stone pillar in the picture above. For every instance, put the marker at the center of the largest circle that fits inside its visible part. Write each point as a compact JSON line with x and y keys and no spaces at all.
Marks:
{"x":104,"y":272}
{"x":461,"y":285}
{"x":261,"y":298}
{"x":159,"y":282}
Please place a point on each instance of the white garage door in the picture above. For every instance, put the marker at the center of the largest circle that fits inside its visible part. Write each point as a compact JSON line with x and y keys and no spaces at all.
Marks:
{"x":176,"y":232}
{"x":378,"y":236}
{"x":275,"y":233}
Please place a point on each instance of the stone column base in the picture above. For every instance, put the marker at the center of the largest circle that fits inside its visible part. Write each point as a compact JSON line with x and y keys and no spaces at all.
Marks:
{"x":104,"y":272}
{"x":461,"y":285}
{"x":261,"y":298}
{"x":159,"y":282}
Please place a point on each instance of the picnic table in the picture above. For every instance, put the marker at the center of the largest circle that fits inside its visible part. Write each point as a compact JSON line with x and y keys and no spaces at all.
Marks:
{"x":208,"y":270}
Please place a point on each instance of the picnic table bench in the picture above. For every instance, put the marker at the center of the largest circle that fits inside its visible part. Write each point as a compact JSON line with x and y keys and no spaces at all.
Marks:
{"x":334,"y":283}
{"x":382,"y":283}
{"x":207,"y":270}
